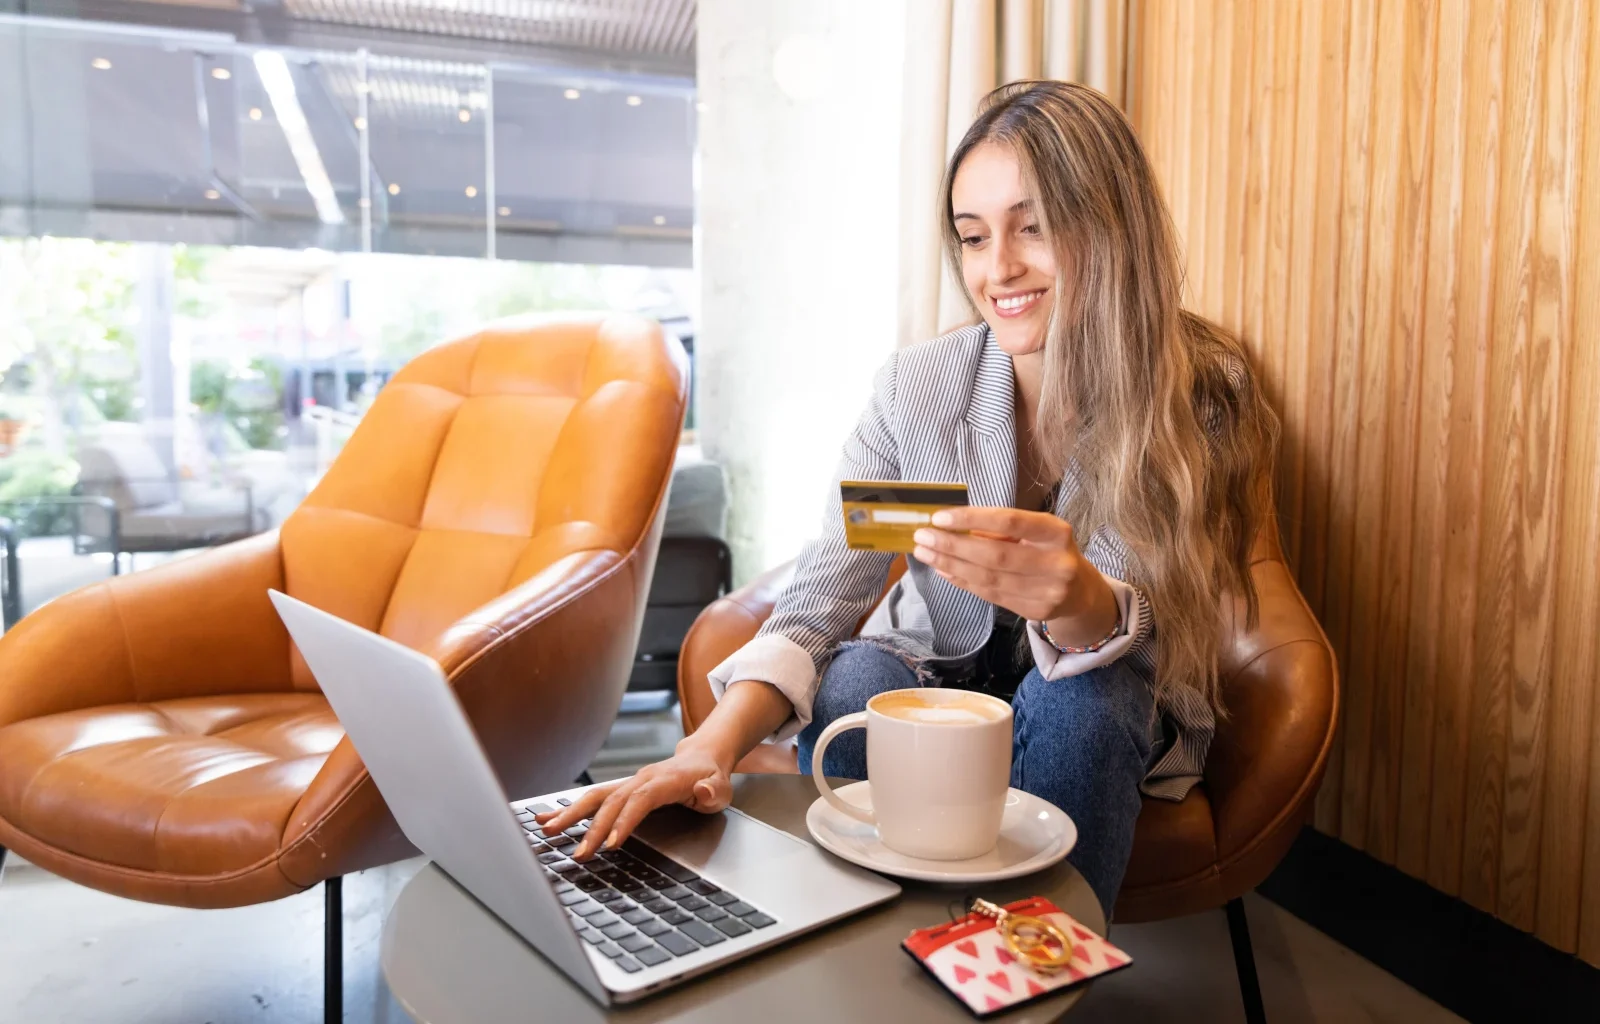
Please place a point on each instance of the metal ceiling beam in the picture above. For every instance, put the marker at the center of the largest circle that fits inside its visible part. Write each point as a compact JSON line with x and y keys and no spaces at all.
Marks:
{"x":267,"y":24}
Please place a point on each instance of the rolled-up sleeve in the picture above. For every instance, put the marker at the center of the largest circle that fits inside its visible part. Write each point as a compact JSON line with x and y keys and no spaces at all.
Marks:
{"x":777,"y":660}
{"x":1137,"y":626}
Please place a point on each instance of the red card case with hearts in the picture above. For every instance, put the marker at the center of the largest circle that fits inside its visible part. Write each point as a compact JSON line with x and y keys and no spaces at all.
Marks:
{"x":970,"y":959}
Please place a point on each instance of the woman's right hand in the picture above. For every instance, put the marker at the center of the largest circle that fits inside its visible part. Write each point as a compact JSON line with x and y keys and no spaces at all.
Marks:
{"x":692,"y":776}
{"x":696,"y":775}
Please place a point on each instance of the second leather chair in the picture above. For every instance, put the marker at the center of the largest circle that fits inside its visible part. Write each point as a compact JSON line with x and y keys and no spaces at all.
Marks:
{"x":498,"y":508}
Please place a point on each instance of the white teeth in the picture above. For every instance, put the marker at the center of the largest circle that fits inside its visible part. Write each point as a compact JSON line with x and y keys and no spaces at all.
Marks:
{"x":1017,"y":302}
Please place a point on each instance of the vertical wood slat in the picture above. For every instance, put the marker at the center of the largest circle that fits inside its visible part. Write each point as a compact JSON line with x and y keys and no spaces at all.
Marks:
{"x":1549,"y":261}
{"x":1258,"y":187}
{"x":1499,"y":550}
{"x":1573,"y":670}
{"x":1430,"y":537}
{"x":1220,"y":70}
{"x":1178,"y":170}
{"x":1196,"y":149}
{"x":1318,"y":550}
{"x":1412,"y":162}
{"x":1584,"y":508}
{"x":1353,"y":219}
{"x":1245,"y":60}
{"x":1279,"y":153}
{"x":1453,"y":697}
{"x":1372,"y":419}
{"x":1304,"y":176}
{"x":1397,"y":204}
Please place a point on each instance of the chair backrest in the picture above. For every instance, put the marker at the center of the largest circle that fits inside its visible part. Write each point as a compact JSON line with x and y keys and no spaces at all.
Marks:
{"x":121,"y":464}
{"x":1281,"y":687}
{"x":482,"y":462}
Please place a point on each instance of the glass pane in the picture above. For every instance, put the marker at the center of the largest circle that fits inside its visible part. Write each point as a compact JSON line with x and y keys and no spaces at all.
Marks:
{"x":593,"y":170}
{"x":427,"y":126}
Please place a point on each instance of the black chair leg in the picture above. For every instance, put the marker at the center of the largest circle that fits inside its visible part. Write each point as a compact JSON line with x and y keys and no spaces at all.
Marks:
{"x":333,"y":951}
{"x":1245,"y":961}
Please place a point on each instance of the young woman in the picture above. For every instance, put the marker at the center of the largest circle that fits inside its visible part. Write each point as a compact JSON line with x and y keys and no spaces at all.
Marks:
{"x":1117,"y":444}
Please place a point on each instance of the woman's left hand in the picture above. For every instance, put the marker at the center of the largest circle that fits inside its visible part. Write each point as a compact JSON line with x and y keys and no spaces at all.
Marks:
{"x":1028,"y":562}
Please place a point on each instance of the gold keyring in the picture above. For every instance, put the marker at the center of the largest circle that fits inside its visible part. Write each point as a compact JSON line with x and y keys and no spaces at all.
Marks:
{"x":1035,"y":941}
{"x":1038,"y":942}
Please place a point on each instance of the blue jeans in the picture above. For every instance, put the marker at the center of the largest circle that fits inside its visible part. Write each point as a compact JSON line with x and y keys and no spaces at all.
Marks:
{"x":1082,"y":743}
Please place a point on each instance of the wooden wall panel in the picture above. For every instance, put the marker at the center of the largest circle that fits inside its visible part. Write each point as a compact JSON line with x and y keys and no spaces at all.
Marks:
{"x":1397,"y":204}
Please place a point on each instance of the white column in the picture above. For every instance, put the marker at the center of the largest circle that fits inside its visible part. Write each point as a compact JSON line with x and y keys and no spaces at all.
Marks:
{"x":798,"y":248}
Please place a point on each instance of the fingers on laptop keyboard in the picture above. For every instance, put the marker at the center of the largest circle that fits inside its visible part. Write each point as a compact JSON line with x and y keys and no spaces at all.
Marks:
{"x":572,"y":811}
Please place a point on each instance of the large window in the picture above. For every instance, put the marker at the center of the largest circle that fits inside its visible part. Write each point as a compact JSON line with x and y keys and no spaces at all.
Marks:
{"x":194,"y":394}
{"x":213,"y":255}
{"x":160,"y":134}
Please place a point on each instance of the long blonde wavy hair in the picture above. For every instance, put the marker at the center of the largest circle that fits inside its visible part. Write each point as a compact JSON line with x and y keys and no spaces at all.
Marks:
{"x":1173,"y":440}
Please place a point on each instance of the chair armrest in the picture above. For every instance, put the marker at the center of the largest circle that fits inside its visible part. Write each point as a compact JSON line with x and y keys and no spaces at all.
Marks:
{"x":730,"y":623}
{"x":546,"y":652}
{"x":176,"y":630}
{"x":519,"y":666}
{"x":77,"y":503}
{"x":721,"y":628}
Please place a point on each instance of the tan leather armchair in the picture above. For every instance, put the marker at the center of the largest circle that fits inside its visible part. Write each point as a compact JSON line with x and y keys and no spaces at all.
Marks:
{"x":1281,"y":686}
{"x":498,"y":508}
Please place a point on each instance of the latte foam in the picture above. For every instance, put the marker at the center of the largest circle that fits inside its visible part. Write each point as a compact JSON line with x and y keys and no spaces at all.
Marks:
{"x":956,"y":709}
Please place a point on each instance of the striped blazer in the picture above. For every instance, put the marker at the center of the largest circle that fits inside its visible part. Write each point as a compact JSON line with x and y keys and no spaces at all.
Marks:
{"x":944,"y":410}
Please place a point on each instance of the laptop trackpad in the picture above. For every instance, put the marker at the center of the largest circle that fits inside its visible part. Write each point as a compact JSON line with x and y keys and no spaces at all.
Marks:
{"x":747,"y":856}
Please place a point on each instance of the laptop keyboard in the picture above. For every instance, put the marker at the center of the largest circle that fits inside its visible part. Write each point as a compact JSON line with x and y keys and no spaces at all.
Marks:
{"x":636,"y":905}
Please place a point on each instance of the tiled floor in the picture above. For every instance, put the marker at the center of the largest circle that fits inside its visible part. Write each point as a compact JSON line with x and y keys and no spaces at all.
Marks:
{"x":69,"y":955}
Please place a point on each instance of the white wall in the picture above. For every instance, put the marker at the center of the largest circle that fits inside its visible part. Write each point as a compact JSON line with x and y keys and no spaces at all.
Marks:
{"x":797,"y":246}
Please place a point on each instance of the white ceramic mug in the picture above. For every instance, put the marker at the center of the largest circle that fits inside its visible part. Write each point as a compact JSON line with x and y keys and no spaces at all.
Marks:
{"x":939,"y":787}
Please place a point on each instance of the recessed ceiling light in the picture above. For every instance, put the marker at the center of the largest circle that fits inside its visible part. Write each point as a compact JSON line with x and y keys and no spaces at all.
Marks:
{"x":570,"y":94}
{"x":505,"y":211}
{"x":100,"y":64}
{"x":472,"y":191}
{"x":394,"y":189}
{"x":221,"y":74}
{"x":255,"y":113}
{"x":463,"y":115}
{"x":634,"y":101}
{"x":364,"y":202}
{"x":212,"y":193}
{"x":660,"y":219}
{"x":361,"y":124}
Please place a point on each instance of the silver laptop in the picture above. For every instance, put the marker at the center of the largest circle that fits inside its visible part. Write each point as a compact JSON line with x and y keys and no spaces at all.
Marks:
{"x":688,"y":894}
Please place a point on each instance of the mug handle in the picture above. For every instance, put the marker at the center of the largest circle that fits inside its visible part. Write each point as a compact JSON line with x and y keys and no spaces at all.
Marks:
{"x":855,"y":721}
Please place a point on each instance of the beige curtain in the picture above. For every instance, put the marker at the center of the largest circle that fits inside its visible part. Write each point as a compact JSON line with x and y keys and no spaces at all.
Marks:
{"x":956,"y":51}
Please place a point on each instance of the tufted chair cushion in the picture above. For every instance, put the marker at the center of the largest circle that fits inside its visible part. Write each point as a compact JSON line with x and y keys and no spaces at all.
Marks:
{"x":498,"y":508}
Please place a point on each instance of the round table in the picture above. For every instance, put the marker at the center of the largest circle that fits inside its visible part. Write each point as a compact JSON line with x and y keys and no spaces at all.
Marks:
{"x":450,"y":961}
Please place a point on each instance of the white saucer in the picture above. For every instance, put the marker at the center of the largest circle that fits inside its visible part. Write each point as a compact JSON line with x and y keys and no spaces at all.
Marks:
{"x":1034,"y":834}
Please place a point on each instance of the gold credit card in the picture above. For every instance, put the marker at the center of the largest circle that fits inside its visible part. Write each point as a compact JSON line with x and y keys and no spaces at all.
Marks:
{"x":882,"y":515}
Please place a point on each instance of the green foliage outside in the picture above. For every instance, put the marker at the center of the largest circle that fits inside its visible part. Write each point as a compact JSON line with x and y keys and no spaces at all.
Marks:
{"x":247,"y":402}
{"x":66,"y":333}
{"x":29,"y":476}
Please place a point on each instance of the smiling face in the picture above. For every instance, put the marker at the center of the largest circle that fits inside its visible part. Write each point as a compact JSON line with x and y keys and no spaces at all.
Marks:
{"x":1007,"y":263}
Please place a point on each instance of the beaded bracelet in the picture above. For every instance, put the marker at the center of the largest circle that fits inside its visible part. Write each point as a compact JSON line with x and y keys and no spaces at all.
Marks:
{"x":1116,"y":631}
